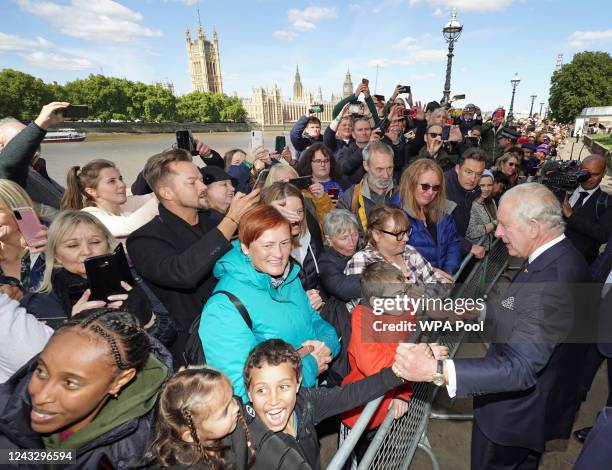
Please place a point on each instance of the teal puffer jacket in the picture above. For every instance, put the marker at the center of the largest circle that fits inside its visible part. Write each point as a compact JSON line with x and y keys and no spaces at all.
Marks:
{"x":283,"y":313}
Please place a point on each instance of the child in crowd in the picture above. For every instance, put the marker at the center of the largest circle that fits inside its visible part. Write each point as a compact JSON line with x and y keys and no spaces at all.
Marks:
{"x":374,"y":338}
{"x":200,"y":424}
{"x":272,"y":377}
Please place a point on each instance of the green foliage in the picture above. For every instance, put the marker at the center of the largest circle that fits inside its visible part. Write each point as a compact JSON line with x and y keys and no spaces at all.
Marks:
{"x":585,"y":82}
{"x":22,"y":96}
{"x":603,"y":139}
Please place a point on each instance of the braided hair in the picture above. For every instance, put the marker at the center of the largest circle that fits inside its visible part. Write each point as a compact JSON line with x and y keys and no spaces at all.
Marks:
{"x":128,"y":342}
{"x":175,"y":414}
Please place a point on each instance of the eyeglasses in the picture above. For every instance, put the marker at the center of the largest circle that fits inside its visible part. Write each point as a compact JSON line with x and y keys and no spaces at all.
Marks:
{"x":510,"y":163}
{"x":426,"y":187}
{"x":398,"y":235}
{"x":433,"y":135}
{"x":321,"y":161}
{"x":469,"y":172}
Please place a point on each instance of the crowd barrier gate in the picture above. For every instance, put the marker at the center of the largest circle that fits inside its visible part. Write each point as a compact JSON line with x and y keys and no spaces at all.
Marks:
{"x":396,"y":441}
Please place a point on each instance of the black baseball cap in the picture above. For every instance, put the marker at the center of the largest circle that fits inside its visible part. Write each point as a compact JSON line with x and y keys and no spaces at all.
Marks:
{"x":212,"y":174}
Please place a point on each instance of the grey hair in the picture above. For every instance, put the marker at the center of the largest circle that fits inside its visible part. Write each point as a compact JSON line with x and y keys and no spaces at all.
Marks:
{"x":4,"y":122}
{"x":534,"y":201}
{"x":376,"y":147}
{"x":337,"y":221}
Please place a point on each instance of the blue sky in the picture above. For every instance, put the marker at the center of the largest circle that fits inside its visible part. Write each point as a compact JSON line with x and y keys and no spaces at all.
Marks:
{"x":262,"y":40}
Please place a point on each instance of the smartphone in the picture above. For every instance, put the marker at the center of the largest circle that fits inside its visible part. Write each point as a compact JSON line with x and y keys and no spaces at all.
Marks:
{"x":384,"y":126}
{"x":380,"y":98}
{"x":356,"y":109}
{"x":303,"y":182}
{"x":261,"y":177}
{"x":405,"y":89}
{"x":365,"y":81}
{"x":316,"y":108}
{"x":76,"y":111}
{"x":105,"y":273}
{"x":28,"y":223}
{"x":256,"y":139}
{"x":280,"y":143}
{"x":445,"y":133}
{"x":459,"y":97}
{"x":184,"y":140}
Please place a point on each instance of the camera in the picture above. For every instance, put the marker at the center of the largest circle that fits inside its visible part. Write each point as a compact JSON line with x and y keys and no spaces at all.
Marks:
{"x":184,"y":140}
{"x":315,"y":108}
{"x":356,"y":109}
{"x":405,"y":89}
{"x":563,"y":176}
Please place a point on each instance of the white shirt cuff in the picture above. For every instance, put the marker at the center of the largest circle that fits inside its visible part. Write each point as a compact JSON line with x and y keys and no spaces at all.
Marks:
{"x":451,"y":387}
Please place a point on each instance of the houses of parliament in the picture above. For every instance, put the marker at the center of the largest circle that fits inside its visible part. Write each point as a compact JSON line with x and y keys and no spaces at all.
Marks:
{"x":266,"y":107}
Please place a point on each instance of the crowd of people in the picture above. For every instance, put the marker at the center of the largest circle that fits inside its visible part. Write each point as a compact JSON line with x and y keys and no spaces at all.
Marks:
{"x":247,"y":315}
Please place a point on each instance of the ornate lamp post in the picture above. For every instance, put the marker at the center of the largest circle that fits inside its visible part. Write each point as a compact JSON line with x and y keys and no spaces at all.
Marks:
{"x":533,"y":97}
{"x":451,"y":33}
{"x":515,"y":81}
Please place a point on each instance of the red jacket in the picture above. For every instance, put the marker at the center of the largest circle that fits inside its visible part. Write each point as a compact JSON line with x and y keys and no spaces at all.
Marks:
{"x":370,"y":351}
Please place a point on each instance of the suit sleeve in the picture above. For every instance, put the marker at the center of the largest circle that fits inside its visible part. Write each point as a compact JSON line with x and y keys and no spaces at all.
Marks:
{"x":171,"y":269}
{"x":588,"y":225}
{"x":514,"y":364}
{"x":297,"y":139}
{"x":16,"y":157}
{"x":226,"y":340}
{"x":214,"y":159}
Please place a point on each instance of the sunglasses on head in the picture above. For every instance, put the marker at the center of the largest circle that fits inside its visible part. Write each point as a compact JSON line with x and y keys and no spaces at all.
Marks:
{"x":426,"y":187}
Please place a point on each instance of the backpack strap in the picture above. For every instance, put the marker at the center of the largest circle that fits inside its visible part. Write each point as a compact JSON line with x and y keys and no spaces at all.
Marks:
{"x":356,"y":193}
{"x":241,"y":308}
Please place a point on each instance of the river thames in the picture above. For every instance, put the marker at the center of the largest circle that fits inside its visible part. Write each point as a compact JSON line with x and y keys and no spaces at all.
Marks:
{"x":131,"y":151}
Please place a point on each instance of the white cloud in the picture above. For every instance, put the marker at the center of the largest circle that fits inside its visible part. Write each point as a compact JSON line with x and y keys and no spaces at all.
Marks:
{"x":405,"y":43}
{"x":103,"y":21}
{"x":284,"y":35}
{"x":303,"y":25}
{"x":304,"y":20}
{"x":354,"y":7}
{"x":10,"y":42}
{"x":467,"y":5}
{"x":48,"y":60}
{"x":583,"y":38}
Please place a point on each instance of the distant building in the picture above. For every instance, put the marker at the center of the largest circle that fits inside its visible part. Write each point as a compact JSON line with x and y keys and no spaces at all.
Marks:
{"x":204,"y":62}
{"x":268,"y":107}
{"x":347,"y":86}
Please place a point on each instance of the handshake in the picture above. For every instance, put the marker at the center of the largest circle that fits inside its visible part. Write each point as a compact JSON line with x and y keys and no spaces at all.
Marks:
{"x":418,"y":362}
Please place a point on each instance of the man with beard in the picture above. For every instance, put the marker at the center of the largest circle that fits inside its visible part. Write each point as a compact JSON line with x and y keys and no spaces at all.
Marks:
{"x":376,"y":186}
{"x":176,"y":251}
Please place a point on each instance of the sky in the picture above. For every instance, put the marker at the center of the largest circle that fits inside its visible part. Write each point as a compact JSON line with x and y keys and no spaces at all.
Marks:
{"x":261,"y":41}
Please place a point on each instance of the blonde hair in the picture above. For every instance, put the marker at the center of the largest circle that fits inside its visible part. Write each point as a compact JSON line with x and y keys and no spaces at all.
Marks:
{"x":64,"y":223}
{"x":275,"y":169}
{"x":408,"y":188}
{"x":13,"y":196}
{"x":435,"y":113}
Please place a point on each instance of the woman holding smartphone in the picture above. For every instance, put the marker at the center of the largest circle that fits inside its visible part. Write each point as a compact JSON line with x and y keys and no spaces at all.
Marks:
{"x":98,"y":188}
{"x":22,"y":238}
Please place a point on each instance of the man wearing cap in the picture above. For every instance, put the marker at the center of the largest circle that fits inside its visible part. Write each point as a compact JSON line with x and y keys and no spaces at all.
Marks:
{"x":506,"y":139}
{"x":490,"y":129}
{"x":470,"y":117}
{"x":221,"y":188}
{"x":528,"y":150}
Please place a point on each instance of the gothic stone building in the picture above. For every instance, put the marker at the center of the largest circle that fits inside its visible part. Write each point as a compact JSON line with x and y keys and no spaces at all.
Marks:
{"x":204,"y":62}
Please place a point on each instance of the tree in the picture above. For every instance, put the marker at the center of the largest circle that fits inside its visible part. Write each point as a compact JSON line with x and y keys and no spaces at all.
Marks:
{"x":21,"y":95}
{"x":585,"y":82}
{"x":233,"y":110}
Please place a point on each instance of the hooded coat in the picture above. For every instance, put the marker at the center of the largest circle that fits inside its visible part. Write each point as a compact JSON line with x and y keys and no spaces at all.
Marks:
{"x":283,"y":312}
{"x":120,"y":433}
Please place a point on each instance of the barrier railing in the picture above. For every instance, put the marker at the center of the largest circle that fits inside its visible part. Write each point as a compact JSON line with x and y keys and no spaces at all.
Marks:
{"x":396,"y":441}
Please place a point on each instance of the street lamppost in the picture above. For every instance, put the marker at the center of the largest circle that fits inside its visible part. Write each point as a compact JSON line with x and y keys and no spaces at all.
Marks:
{"x":533,"y":97}
{"x":451,"y":33}
{"x":541,"y":104}
{"x":515,"y":81}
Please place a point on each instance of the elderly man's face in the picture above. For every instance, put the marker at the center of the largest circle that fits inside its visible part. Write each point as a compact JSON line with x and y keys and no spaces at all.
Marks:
{"x":517,"y":237}
{"x":9,"y":131}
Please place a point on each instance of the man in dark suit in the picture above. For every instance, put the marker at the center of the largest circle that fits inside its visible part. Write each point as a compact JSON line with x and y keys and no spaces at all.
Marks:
{"x":586,"y":211}
{"x":177,"y":250}
{"x":524,"y":389}
{"x":601,"y":271}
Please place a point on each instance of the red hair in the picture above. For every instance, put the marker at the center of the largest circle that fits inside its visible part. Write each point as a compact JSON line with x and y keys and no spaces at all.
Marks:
{"x":256,"y":221}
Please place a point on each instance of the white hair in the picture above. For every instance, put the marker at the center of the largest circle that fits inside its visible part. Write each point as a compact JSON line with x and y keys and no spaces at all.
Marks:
{"x":534,"y":201}
{"x":5,"y":123}
{"x":376,"y":147}
{"x":338,"y":221}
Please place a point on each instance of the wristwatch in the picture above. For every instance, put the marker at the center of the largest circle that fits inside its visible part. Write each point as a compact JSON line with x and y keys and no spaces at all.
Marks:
{"x":438,"y":376}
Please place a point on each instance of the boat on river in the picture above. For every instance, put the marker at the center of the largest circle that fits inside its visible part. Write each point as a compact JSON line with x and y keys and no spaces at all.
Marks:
{"x":64,"y":135}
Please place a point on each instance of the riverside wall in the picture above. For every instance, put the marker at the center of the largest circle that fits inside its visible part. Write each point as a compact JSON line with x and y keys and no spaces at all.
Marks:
{"x":155,"y":127}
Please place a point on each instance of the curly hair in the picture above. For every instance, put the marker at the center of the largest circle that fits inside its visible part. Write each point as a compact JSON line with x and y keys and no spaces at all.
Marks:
{"x":304,"y":164}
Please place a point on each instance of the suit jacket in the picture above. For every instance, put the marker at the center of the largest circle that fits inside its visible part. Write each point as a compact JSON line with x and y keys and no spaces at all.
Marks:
{"x":597,"y":453}
{"x":176,"y":260}
{"x":585,"y":230}
{"x":600,"y":270}
{"x":525,"y":388}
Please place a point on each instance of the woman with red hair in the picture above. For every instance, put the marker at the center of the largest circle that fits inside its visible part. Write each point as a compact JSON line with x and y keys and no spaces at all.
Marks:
{"x":259,"y":272}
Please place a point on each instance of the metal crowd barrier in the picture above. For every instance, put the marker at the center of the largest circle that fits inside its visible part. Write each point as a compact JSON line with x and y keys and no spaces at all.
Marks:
{"x":396,"y":441}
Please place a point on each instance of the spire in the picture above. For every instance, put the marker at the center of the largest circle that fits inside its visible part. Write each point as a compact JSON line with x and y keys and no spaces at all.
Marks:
{"x":215,"y":37}
{"x":347,"y":86}
{"x":187,"y":36}
{"x":298,"y":89}
{"x":201,"y":33}
{"x":319,"y":95}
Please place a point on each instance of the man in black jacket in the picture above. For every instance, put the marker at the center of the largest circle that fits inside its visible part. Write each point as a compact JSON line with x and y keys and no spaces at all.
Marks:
{"x":587,"y":215}
{"x":176,"y":251}
{"x":20,"y":158}
{"x":461,"y":191}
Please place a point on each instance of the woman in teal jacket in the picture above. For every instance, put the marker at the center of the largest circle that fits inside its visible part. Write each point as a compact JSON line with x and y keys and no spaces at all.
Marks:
{"x":259,"y":272}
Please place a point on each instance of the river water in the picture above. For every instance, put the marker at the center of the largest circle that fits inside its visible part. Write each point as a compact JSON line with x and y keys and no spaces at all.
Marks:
{"x":131,"y":151}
